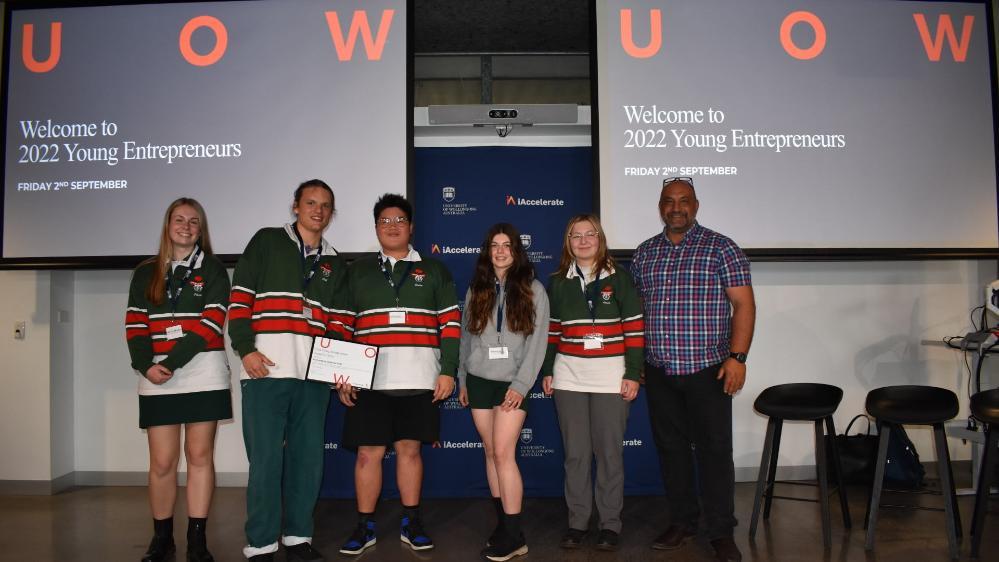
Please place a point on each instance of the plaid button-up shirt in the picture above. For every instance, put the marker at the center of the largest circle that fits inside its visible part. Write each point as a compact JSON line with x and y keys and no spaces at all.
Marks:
{"x":688,"y":317}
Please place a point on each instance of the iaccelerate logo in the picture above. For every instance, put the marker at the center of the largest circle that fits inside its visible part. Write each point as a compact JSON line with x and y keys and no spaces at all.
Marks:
{"x":457,"y":445}
{"x":439,"y":249}
{"x":520,"y":201}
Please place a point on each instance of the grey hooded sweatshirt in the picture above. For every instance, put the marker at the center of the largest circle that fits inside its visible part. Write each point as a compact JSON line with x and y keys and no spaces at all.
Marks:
{"x":525,"y":355}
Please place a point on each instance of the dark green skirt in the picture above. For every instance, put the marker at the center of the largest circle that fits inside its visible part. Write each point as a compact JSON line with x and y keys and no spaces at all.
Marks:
{"x":190,"y":407}
{"x":484,"y":394}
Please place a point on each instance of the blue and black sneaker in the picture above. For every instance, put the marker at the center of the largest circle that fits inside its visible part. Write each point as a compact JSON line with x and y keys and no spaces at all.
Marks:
{"x":362,"y":538}
{"x":412,"y":533}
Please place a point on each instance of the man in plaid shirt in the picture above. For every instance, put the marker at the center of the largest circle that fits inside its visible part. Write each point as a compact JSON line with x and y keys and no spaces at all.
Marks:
{"x":699,"y":315}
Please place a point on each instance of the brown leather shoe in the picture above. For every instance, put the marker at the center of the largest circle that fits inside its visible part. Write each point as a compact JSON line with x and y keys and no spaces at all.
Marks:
{"x":725,"y":550}
{"x":674,"y":537}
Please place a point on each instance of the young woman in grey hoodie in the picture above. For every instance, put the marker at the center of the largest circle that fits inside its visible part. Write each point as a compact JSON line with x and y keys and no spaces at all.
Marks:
{"x":504,"y":335}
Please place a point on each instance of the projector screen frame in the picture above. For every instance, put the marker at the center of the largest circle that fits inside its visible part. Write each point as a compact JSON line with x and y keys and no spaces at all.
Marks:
{"x":131,"y":261}
{"x":817,"y":254}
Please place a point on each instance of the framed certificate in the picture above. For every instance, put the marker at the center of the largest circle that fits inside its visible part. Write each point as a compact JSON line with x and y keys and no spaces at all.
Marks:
{"x":336,"y":361}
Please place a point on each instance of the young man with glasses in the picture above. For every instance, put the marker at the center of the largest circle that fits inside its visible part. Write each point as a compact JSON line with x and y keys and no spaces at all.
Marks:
{"x":406,"y":305}
{"x":699,"y":316}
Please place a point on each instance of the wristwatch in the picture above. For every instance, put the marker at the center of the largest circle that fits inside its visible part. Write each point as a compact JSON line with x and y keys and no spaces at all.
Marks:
{"x":740,"y":357}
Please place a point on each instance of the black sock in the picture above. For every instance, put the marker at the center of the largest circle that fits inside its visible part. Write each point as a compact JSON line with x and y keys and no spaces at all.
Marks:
{"x":411,"y":511}
{"x":511,"y":521}
{"x":163,"y":527}
{"x":196,"y":531}
{"x":363,"y":518}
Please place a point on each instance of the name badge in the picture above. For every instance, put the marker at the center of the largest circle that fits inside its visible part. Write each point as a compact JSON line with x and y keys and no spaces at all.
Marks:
{"x":593,"y":341}
{"x":501,"y":352}
{"x":307,"y":312}
{"x":397,"y":317}
{"x":174,"y":332}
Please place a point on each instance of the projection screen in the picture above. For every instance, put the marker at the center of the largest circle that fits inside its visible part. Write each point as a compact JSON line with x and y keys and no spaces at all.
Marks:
{"x":806,"y":125}
{"x":114,"y":111}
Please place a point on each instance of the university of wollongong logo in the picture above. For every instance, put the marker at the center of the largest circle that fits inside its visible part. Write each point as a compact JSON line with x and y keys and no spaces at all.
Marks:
{"x":198,"y":284}
{"x":526,"y":435}
{"x":525,"y":240}
{"x":448,"y":193}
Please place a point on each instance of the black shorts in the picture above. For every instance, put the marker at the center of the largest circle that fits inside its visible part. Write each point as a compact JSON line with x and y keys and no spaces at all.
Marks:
{"x":379,"y":419}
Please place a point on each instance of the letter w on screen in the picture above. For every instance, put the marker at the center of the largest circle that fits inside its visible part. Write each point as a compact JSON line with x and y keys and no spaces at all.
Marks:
{"x":359,"y":25}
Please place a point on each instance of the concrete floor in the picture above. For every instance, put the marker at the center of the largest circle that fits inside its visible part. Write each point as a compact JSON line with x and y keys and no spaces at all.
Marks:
{"x":112,"y":523}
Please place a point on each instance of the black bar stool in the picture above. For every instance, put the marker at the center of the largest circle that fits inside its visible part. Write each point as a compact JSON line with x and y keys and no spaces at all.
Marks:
{"x":799,"y":402}
{"x":918,"y":405}
{"x":985,"y":408}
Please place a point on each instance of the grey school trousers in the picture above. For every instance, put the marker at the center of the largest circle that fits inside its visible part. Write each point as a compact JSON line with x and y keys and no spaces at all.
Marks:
{"x":592,"y":425}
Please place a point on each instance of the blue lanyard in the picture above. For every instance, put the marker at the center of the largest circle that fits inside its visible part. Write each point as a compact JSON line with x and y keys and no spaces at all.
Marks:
{"x":175,"y":297}
{"x":307,"y":273}
{"x":591,"y":296}
{"x":499,"y":311}
{"x":388,"y":275}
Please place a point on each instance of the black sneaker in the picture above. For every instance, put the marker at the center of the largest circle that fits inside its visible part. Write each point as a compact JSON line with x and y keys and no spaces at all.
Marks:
{"x":362,"y":538}
{"x":266,"y":557}
{"x":506,"y":547}
{"x":573,"y":538}
{"x":302,"y":551}
{"x":199,"y":554}
{"x":411,"y":532}
{"x":607,"y":540}
{"x":160,"y":549}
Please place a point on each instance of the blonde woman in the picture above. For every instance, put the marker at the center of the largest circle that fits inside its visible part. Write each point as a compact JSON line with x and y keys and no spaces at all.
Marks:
{"x":592,"y":367}
{"x":176,"y":310}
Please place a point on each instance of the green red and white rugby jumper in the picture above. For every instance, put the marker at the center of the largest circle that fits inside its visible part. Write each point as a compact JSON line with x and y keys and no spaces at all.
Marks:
{"x":417,"y":336}
{"x":618,"y":320}
{"x":273,"y":310}
{"x":186,"y":338}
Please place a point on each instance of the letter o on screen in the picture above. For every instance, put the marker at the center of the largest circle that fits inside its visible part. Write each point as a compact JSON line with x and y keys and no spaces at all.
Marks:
{"x":820,"y":35}
{"x":221,"y":40}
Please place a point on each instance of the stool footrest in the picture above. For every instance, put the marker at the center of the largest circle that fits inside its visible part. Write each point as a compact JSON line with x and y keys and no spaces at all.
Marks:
{"x":919,"y":507}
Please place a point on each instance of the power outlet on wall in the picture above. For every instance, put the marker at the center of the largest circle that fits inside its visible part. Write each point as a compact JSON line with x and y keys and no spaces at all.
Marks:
{"x":20,"y":330}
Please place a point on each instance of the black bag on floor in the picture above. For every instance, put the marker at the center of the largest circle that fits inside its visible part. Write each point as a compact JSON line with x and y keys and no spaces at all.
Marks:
{"x":857,"y":454}
{"x":903,"y":469}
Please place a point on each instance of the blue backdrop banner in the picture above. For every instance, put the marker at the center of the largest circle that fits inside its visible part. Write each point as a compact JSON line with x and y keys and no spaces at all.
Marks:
{"x":459,"y":194}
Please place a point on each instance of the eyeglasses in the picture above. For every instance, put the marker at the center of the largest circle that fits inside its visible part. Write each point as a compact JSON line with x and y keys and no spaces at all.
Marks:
{"x":684,"y":179}
{"x":386,"y":221}
{"x":589,"y":235}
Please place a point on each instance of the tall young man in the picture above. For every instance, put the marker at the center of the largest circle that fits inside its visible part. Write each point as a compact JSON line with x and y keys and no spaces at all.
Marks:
{"x":289,"y":286}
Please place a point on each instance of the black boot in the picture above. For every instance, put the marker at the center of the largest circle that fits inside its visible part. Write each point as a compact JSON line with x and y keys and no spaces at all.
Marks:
{"x":510,"y":543}
{"x":498,"y":531}
{"x":197,"y":542}
{"x":161,"y":548}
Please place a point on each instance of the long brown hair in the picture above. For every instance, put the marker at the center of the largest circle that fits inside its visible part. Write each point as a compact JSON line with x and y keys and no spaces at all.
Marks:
{"x":156,"y":289}
{"x":603,"y":260}
{"x":519,"y":307}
